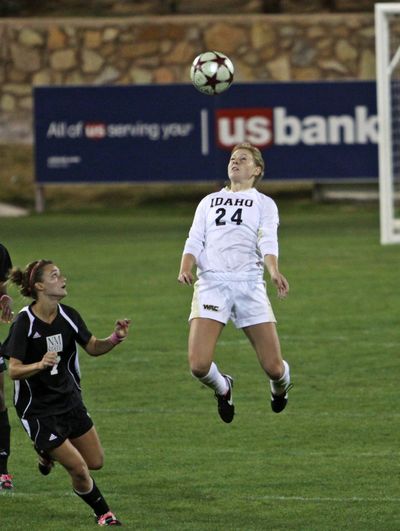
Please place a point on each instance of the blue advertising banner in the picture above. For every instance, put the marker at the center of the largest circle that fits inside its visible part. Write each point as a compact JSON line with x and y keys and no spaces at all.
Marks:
{"x":155,"y":133}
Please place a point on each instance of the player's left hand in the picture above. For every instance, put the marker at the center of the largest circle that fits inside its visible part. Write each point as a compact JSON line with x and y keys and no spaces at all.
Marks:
{"x":282,"y":285}
{"x":185,"y":277}
{"x":122,"y":328}
{"x":6,"y":313}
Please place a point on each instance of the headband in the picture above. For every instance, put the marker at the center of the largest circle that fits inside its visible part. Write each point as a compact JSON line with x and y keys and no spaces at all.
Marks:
{"x":33,"y":273}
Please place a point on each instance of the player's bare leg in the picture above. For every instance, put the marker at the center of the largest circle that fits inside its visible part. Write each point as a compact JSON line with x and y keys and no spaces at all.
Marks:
{"x":71,"y":459}
{"x":265,"y":341}
{"x":89,"y":447}
{"x":83,"y":484}
{"x":203,"y":337}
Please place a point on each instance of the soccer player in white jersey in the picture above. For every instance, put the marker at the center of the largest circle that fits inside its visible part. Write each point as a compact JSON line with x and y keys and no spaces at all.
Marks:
{"x":232,"y":239}
{"x":43,"y":353}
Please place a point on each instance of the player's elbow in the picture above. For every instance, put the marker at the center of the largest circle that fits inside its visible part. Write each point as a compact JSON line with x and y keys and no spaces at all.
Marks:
{"x":14,"y":369}
{"x":13,"y":374}
{"x":91,"y":346}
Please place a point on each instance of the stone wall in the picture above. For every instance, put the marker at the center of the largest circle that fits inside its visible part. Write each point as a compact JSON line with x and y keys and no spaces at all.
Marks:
{"x":142,"y":50}
{"x":96,"y":8}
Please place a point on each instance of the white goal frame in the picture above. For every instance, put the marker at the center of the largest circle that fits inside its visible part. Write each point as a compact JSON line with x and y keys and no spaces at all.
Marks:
{"x":385,"y":65}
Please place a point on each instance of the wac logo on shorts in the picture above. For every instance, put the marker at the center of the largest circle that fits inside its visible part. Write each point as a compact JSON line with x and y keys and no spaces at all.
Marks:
{"x":54,"y":343}
{"x":211,"y":307}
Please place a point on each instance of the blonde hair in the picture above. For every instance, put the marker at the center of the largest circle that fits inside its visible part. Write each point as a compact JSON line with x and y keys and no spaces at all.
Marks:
{"x":257,"y":157}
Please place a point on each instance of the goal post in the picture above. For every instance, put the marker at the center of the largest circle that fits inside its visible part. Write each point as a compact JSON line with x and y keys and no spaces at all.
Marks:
{"x":387,"y":44}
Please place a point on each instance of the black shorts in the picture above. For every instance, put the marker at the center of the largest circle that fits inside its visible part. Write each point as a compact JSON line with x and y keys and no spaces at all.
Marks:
{"x":3,"y":366}
{"x":50,"y":432}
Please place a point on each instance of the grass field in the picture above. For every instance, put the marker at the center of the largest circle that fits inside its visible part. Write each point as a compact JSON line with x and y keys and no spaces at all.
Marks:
{"x":329,"y":462}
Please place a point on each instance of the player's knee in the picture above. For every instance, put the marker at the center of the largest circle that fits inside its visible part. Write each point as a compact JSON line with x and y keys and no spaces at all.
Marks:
{"x":198,"y":372}
{"x":96,"y":462}
{"x":79,"y":471}
{"x":276,"y":370}
{"x":198,"y":367}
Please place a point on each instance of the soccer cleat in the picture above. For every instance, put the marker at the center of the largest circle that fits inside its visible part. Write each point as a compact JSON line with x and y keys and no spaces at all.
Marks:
{"x":6,"y":482}
{"x":107,"y":519}
{"x":45,"y":465}
{"x":226,"y":409}
{"x":278,"y":402}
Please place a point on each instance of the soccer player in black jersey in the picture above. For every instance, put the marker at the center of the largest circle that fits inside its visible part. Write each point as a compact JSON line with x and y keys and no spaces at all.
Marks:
{"x":5,"y":317}
{"x":42,"y":349}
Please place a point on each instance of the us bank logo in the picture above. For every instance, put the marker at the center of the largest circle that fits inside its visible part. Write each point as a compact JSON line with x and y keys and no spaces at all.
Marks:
{"x":264,"y":127}
{"x":244,"y":125}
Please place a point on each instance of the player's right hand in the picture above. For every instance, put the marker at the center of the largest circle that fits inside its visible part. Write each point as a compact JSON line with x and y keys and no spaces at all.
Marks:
{"x":6,"y":313}
{"x":49,"y":360}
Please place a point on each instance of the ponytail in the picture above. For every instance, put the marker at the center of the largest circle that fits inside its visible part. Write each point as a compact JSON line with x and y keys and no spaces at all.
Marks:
{"x":26,"y":279}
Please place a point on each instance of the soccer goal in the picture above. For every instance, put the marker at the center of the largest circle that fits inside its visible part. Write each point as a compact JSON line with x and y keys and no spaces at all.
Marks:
{"x":387,"y":42}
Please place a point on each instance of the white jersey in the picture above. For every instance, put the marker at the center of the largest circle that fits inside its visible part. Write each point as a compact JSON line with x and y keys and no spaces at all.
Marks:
{"x":233,"y":231}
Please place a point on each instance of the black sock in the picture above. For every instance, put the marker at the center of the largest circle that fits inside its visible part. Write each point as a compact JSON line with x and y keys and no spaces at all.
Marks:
{"x":95,"y":499}
{"x":4,"y":441}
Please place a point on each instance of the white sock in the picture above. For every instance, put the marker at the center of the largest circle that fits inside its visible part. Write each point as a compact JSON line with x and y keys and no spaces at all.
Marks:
{"x":279,"y":386}
{"x":215,"y":380}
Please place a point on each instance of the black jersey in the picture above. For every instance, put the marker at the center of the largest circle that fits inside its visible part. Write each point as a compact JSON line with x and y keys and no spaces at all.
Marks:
{"x":56,"y":389}
{"x":5,"y":263}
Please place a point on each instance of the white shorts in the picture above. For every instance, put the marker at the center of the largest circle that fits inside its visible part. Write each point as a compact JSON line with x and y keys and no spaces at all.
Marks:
{"x":245,"y":302}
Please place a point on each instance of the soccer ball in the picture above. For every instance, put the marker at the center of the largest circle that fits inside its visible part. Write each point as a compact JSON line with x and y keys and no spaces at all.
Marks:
{"x":212,"y":73}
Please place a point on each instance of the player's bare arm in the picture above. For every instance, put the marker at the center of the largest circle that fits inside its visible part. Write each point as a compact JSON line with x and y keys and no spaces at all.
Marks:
{"x":282,"y":285}
{"x":185,"y":274}
{"x":21,"y":371}
{"x":98,"y":347}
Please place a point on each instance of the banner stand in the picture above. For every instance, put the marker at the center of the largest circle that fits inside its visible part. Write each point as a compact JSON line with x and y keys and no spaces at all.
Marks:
{"x":39,"y":199}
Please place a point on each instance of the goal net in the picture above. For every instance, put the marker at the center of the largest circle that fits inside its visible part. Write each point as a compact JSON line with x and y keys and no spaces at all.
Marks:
{"x":387,"y":35}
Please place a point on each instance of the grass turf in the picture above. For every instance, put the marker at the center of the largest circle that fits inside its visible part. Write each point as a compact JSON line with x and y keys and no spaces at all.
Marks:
{"x":329,"y":462}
